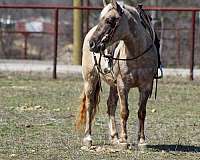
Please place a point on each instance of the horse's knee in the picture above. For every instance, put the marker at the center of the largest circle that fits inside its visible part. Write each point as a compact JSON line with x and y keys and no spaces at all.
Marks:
{"x":112,"y":104}
{"x":124,"y":114}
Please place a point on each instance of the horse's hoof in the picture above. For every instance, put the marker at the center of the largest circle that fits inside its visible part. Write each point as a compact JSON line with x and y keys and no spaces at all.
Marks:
{"x":142,"y":146}
{"x":115,"y":141}
{"x":123,"y":146}
{"x":132,"y":146}
{"x":87,"y":143}
{"x":123,"y":140}
{"x":84,"y":148}
{"x":141,"y":141}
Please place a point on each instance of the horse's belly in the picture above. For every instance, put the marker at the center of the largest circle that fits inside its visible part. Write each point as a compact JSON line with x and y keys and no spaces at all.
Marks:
{"x":133,"y":78}
{"x":139,"y":77}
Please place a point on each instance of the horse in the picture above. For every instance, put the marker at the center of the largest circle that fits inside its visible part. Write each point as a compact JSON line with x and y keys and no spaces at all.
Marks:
{"x":119,"y":38}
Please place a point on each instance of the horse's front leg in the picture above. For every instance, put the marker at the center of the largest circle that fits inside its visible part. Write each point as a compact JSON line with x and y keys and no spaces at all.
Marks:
{"x":124,"y":111}
{"x":112,"y":104}
{"x":144,"y":95}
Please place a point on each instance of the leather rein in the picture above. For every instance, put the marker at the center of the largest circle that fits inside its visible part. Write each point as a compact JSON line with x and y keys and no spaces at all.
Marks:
{"x":128,"y":59}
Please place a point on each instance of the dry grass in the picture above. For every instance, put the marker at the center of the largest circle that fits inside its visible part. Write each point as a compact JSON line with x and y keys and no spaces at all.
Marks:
{"x":37,"y":121}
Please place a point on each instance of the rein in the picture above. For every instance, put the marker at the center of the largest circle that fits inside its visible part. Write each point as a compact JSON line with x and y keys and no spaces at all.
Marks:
{"x":129,"y":59}
{"x":110,"y":58}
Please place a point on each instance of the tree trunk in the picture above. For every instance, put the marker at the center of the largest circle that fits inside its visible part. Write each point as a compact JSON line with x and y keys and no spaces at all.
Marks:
{"x":77,"y":33}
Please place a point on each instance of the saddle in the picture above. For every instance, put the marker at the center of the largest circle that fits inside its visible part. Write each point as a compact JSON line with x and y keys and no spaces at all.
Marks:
{"x":146,"y":22}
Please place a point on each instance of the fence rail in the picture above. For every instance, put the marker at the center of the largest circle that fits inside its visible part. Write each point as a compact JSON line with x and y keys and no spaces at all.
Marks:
{"x":57,"y":7}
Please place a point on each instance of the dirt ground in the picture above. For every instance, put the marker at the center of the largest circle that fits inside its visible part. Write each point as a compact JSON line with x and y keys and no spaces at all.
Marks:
{"x":37,"y":121}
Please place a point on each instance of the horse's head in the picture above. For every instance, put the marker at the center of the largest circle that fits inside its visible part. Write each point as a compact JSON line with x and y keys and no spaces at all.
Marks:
{"x":112,"y":27}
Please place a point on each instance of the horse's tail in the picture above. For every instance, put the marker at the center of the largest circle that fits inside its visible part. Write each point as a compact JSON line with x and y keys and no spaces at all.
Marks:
{"x":81,"y":120}
{"x":96,"y":98}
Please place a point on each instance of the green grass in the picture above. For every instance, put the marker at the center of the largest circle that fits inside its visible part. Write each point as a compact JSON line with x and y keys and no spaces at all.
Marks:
{"x":37,"y":121}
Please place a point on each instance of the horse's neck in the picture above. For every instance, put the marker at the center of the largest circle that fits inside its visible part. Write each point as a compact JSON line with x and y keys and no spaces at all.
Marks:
{"x":137,"y":40}
{"x":135,"y":46}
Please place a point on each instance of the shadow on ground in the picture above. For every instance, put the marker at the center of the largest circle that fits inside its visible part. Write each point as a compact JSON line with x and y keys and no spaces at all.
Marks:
{"x":173,"y":147}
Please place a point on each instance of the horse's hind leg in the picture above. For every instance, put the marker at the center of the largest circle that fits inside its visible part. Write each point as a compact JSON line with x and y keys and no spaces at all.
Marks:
{"x":112,"y":104}
{"x":144,"y":95}
{"x":92,"y":94}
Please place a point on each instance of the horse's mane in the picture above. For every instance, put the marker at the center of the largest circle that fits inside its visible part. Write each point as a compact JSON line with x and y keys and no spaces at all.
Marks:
{"x":105,"y":10}
{"x":132,"y":11}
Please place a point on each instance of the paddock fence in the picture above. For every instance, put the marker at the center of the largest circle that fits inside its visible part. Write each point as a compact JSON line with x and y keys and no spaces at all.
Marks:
{"x":178,"y":30}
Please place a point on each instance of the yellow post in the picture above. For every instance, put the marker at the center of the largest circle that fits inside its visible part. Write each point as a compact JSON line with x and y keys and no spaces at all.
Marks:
{"x":77,"y":33}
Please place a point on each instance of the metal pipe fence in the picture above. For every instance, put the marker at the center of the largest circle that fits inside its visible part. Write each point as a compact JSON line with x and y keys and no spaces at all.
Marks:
{"x":56,"y":9}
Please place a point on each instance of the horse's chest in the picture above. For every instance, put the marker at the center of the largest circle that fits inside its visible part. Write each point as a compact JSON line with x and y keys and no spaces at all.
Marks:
{"x":130,"y":78}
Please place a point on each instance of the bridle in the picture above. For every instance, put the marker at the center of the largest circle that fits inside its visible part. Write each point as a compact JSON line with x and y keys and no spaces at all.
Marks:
{"x":111,"y":57}
{"x":108,"y":37}
{"x":113,"y":30}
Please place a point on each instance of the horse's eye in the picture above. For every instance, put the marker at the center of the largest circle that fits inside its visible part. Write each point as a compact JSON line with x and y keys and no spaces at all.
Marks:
{"x":110,"y":20}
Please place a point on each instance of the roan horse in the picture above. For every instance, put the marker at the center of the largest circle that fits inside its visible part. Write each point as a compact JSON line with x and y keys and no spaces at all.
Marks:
{"x":134,"y":64}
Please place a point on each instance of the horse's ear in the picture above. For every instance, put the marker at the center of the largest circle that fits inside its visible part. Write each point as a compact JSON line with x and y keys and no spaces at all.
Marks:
{"x":114,"y":3}
{"x":105,"y":3}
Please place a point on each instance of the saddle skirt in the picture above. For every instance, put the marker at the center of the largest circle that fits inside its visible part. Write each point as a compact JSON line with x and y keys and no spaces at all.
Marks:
{"x":146,"y":21}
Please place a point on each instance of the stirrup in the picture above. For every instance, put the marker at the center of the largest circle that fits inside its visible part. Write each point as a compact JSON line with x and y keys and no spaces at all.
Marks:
{"x":161,"y":72}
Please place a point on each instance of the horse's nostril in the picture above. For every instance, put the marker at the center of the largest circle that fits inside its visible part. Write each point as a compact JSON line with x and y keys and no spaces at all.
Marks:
{"x":92,"y":44}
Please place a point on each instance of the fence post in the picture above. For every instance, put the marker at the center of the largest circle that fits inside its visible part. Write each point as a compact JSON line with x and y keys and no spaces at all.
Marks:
{"x":56,"y":14}
{"x":193,"y":45}
{"x":88,"y":16}
{"x":25,"y":44}
{"x":178,"y":47}
{"x":77,"y":33}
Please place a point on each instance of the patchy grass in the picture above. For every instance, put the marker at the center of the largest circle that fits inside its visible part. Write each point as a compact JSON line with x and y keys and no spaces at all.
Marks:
{"x":37,"y":121}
